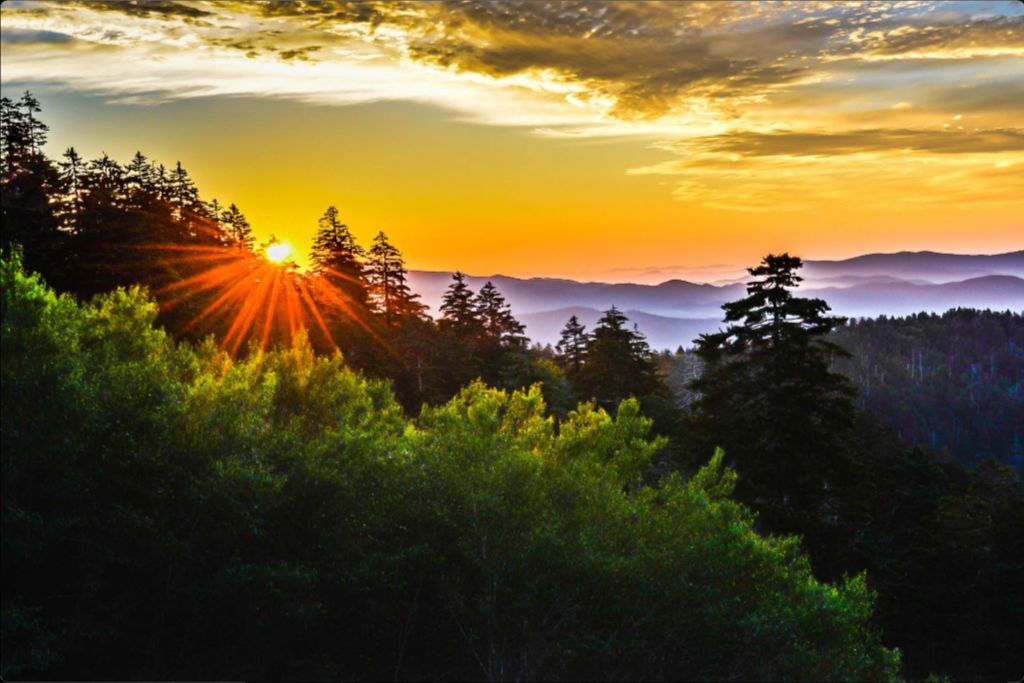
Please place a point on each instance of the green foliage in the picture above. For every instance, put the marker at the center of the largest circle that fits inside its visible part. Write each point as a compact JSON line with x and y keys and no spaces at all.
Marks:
{"x":171,"y":513}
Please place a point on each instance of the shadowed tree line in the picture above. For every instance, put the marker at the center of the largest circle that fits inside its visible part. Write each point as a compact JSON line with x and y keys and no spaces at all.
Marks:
{"x":952,"y":382}
{"x":943,"y":546}
{"x":498,"y":535}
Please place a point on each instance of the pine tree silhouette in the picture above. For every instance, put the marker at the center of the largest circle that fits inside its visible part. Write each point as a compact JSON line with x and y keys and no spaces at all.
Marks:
{"x":336,"y":257}
{"x":771,"y":399}
{"x":388,"y":286}
{"x":458,"y":308}
{"x":572,"y":347}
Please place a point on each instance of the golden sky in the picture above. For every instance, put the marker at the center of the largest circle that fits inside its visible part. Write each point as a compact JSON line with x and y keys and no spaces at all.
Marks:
{"x":611,"y":141}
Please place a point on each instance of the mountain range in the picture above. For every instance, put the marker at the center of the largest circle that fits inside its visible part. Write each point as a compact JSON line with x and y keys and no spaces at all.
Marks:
{"x":675,"y":312}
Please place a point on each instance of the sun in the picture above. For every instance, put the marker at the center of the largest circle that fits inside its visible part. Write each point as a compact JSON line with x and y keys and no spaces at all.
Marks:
{"x":278,"y":252}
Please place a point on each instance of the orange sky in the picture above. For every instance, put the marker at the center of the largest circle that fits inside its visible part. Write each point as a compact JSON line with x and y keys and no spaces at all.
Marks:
{"x":622,"y":141}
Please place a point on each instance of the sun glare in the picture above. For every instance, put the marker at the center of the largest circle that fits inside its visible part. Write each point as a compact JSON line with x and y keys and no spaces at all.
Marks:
{"x":278,"y":252}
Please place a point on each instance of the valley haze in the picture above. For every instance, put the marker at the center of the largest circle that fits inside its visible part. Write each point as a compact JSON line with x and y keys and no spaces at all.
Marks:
{"x":676,"y":312}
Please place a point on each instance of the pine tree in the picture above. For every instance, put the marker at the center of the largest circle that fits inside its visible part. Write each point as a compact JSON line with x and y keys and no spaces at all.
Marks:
{"x":106,"y":178}
{"x":140,"y":181}
{"x":499,"y":326}
{"x":572,"y":347}
{"x":771,"y":399}
{"x":183,"y":195}
{"x":35,"y":130}
{"x":388,"y":286}
{"x":73,"y":181}
{"x":162,"y":182}
{"x":29,"y":181}
{"x":14,"y":136}
{"x":458,"y":308}
{"x":337,"y":258}
{"x":236,"y":227}
{"x":214,"y":209}
{"x":618,"y":363}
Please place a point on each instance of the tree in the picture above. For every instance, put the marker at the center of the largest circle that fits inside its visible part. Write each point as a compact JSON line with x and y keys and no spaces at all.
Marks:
{"x":183,"y":196}
{"x":236,"y":227}
{"x":15,"y":137}
{"x":28,"y":180}
{"x":35,"y":130}
{"x":618,"y":363}
{"x":388,"y":286}
{"x":337,"y":258}
{"x":500,"y":344}
{"x":140,"y":182}
{"x":572,"y":346}
{"x":73,"y":181}
{"x":771,"y":399}
{"x":499,"y":326}
{"x":459,"y":313}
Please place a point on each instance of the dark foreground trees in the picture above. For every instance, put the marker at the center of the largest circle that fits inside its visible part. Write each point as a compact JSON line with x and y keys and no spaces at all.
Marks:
{"x":944,"y":547}
{"x":953,"y":383}
{"x":768,"y":395}
{"x":170,"y":513}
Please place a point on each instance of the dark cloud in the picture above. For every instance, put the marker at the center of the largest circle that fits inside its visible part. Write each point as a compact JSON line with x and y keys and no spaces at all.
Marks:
{"x":751,"y":144}
{"x":301,"y":53}
{"x":145,"y":8}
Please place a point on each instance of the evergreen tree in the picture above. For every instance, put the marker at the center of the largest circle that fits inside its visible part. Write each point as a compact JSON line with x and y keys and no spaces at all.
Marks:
{"x":183,"y":195}
{"x":572,"y":347}
{"x":28,"y":182}
{"x":499,"y":326}
{"x":771,"y":399}
{"x":15,"y":138}
{"x":500,"y":342}
{"x":140,"y":182}
{"x":618,"y":363}
{"x":73,"y":181}
{"x":337,"y":258}
{"x":388,"y":286}
{"x":106,"y":175}
{"x":214,"y":209}
{"x":162,"y":181}
{"x":236,"y":227}
{"x":459,"y":312}
{"x":35,"y":130}
{"x":103,"y":205}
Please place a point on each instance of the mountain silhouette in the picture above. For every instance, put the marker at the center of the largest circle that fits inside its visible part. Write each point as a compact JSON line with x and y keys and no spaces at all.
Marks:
{"x":676,"y":311}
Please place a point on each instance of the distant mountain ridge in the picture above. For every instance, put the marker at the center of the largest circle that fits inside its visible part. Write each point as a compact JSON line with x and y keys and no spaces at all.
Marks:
{"x":677,"y":311}
{"x":935,"y":267}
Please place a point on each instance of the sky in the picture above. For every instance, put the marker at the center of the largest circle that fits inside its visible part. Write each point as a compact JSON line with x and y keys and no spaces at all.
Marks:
{"x":616,"y":141}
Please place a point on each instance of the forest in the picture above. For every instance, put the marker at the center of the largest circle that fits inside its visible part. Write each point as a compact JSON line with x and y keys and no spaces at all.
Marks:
{"x":219,"y":466}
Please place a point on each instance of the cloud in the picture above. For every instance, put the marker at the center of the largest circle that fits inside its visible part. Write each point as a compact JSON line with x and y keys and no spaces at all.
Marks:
{"x":145,"y":8}
{"x":300,"y":53}
{"x":791,"y":143}
{"x":761,"y":105}
{"x":965,"y":38}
